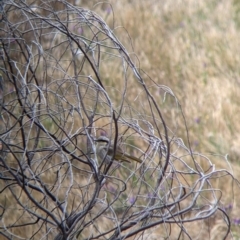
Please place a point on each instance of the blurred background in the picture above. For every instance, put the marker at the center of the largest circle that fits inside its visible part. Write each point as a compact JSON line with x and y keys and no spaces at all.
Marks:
{"x":193,"y":48}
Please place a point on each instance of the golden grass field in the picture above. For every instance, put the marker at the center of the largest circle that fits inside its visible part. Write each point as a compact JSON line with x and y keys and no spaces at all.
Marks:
{"x":192,"y":47}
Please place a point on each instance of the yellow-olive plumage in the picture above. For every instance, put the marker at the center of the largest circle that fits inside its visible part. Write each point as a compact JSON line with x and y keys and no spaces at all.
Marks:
{"x":106,"y":151}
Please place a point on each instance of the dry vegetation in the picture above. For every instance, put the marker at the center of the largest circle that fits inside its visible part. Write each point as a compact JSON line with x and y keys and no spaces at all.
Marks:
{"x":187,"y":53}
{"x":193,"y":47}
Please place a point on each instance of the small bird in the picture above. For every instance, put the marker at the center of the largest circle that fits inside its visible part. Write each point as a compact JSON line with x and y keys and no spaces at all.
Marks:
{"x":106,"y":151}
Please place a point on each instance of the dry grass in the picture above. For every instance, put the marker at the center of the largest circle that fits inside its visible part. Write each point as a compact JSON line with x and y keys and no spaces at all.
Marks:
{"x":193,"y":49}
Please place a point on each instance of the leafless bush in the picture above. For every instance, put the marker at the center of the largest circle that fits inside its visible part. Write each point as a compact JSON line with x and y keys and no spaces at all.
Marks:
{"x":66,"y":80}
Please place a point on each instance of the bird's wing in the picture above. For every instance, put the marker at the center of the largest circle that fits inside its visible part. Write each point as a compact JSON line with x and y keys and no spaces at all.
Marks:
{"x":133,"y":158}
{"x":119,"y":155}
{"x":102,"y":150}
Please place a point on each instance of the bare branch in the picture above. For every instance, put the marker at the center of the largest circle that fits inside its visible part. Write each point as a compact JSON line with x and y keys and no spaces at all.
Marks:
{"x":59,"y":92}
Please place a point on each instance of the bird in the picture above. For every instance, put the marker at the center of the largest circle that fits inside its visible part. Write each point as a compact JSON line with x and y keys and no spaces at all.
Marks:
{"x":105,"y":152}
